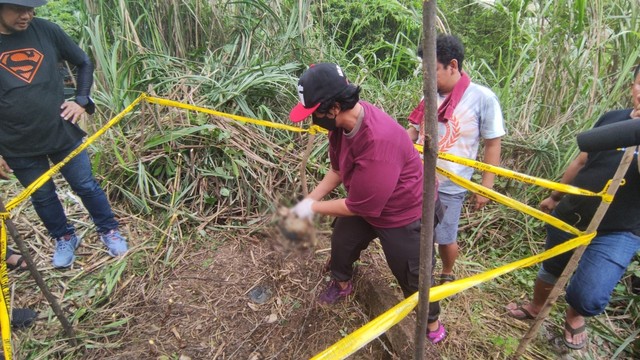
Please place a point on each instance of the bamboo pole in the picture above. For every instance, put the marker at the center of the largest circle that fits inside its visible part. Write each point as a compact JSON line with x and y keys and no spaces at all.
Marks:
{"x":573,"y":262}
{"x":53,"y":302}
{"x":303,"y":164}
{"x":303,"y":177}
{"x":430,"y":153}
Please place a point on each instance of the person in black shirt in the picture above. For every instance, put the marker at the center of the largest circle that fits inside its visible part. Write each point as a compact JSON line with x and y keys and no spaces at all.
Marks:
{"x":607,"y":256}
{"x":39,"y":126}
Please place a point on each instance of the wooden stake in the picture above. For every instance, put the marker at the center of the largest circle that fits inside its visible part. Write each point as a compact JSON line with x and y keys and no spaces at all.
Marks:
{"x":303,"y":164}
{"x":53,"y":302}
{"x":430,"y":153}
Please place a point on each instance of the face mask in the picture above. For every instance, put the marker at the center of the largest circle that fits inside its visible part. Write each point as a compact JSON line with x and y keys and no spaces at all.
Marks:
{"x":325,"y":122}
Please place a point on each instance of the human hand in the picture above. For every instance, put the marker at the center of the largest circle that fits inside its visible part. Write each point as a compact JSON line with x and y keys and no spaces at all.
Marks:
{"x":480,"y":202}
{"x":303,"y":209}
{"x":547,"y":205}
{"x":5,"y":170}
{"x":635,"y":113}
{"x":71,"y":111}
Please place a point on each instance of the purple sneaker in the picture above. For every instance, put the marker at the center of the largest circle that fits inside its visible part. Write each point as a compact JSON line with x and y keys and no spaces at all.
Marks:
{"x":438,"y":335}
{"x":334,"y":293}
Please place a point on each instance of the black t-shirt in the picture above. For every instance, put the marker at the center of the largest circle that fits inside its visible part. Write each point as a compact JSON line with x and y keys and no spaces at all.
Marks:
{"x":624,"y":212}
{"x":31,"y":90}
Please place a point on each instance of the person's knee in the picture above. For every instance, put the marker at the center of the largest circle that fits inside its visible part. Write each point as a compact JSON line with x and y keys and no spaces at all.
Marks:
{"x":44,"y":197}
{"x":586,"y":302}
{"x":547,"y":276}
{"x":87,"y":186}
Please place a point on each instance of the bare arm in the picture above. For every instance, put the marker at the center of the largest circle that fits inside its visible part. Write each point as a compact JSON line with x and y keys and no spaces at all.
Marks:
{"x":492,"y":150}
{"x":550,"y":203}
{"x":330,"y":181}
{"x":413,"y":133}
{"x":331,"y":207}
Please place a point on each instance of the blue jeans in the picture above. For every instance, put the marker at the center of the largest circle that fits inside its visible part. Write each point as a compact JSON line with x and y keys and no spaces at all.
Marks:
{"x":45,"y":200}
{"x":446,"y":233}
{"x":601,"y":267}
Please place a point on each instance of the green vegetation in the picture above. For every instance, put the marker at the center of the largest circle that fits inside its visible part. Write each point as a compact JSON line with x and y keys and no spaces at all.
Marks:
{"x":555,"y":65}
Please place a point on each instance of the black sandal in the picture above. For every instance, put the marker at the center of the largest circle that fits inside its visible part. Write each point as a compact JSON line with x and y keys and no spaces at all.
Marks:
{"x":18,"y":265}
{"x":446,"y":278}
{"x":574,"y":332}
{"x":22,"y":318}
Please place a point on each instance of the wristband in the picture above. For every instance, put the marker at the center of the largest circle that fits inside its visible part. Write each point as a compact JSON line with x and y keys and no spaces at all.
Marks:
{"x":87,"y":103}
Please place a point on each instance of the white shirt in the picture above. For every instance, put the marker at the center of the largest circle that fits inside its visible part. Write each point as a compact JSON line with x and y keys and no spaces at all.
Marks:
{"x":477,"y":115}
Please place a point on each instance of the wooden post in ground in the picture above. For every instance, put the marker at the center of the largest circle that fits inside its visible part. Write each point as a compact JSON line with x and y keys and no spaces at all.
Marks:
{"x":53,"y":302}
{"x":430,"y":152}
{"x":303,"y":164}
{"x":573,"y":262}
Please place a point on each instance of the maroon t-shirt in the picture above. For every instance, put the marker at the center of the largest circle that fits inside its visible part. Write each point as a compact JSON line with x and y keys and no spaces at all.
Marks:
{"x":380,"y":169}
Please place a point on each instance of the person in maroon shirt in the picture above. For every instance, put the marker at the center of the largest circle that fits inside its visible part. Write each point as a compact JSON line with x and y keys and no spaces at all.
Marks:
{"x":374,"y":158}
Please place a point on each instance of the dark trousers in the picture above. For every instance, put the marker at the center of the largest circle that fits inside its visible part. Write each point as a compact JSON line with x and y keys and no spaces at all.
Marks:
{"x":401,"y":248}
{"x":45,"y":200}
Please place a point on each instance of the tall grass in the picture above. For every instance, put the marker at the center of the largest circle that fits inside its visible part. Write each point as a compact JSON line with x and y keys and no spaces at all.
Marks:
{"x":562,"y":65}
{"x":555,"y":65}
{"x":224,"y":55}
{"x":568,"y":62}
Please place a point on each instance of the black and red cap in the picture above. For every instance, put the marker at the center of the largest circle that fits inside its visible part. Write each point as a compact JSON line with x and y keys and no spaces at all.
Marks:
{"x":319,"y":83}
{"x":25,"y":3}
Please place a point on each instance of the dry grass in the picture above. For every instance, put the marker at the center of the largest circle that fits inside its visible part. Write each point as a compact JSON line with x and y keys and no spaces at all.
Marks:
{"x":183,"y":289}
{"x":191,"y":298}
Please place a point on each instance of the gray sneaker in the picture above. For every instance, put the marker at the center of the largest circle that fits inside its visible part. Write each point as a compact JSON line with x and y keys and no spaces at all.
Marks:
{"x":64,"y":255}
{"x":115,"y":242}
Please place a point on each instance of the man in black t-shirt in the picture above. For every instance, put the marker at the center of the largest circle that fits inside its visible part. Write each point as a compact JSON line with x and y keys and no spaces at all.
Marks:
{"x":39,"y":126}
{"x":607,"y":256}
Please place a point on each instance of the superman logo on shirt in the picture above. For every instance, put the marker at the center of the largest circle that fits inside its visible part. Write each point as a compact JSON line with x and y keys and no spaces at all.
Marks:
{"x":22,"y":63}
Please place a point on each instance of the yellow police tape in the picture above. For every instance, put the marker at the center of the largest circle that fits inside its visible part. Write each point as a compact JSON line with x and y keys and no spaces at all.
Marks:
{"x":394,"y":315}
{"x":382,"y":323}
{"x":496,"y":196}
{"x":376,"y":327}
{"x":5,"y":323}
{"x":54,"y":169}
{"x":5,"y":308}
{"x":565,"y":188}
{"x":312,"y":130}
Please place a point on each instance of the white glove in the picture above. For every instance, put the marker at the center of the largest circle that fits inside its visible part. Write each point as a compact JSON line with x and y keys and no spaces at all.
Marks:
{"x":303,"y":209}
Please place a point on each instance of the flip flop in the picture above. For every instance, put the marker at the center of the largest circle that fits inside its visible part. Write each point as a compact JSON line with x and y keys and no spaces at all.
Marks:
{"x":445,"y":278}
{"x":22,"y":318}
{"x":18,"y":265}
{"x":573,"y":332}
{"x":527,"y":315}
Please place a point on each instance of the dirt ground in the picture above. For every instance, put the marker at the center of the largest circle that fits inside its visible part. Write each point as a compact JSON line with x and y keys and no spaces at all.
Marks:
{"x":204,"y":308}
{"x":198,"y":300}
{"x":192,"y":300}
